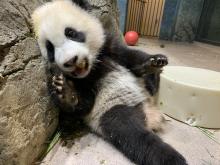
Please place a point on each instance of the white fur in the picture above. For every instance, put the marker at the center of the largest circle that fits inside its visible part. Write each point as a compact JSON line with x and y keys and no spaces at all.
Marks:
{"x":118,"y":87}
{"x":70,"y":49}
{"x":50,"y":22}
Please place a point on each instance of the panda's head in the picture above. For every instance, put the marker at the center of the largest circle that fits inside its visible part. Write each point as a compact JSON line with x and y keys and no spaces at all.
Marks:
{"x":68,"y":35}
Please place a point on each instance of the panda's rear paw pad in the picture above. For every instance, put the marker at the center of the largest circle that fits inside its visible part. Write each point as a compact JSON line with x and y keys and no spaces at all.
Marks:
{"x":159,"y":61}
{"x":57,"y":83}
{"x":155,"y":120}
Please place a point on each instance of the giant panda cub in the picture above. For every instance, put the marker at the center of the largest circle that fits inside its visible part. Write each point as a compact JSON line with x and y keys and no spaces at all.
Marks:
{"x":86,"y":63}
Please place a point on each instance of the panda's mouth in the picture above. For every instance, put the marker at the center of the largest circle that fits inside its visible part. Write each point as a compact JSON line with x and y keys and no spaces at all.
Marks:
{"x":79,"y":72}
{"x":77,"y":67}
{"x":80,"y":69}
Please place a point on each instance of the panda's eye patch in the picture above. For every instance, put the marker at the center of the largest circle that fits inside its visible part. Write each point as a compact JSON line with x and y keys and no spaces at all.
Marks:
{"x":50,"y":51}
{"x":74,"y":35}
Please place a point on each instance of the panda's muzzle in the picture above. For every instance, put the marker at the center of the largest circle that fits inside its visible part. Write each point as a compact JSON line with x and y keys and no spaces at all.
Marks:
{"x":78,"y":67}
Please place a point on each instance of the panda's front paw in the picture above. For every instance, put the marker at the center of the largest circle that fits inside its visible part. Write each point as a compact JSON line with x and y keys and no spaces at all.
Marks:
{"x":57,"y":83}
{"x":151,"y":65}
{"x":158,"y":61}
{"x":64,"y":90}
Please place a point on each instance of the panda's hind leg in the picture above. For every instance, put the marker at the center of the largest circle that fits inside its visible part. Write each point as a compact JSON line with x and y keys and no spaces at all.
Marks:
{"x":154,"y":120}
{"x":124,"y":127}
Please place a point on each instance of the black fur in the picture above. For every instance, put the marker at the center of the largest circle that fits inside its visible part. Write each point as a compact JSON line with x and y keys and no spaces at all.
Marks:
{"x":125,"y":56}
{"x":86,"y":88}
{"x":138,"y":62}
{"x":53,"y":70}
{"x":50,"y":51}
{"x":83,"y":4}
{"x":74,"y":35}
{"x":123,"y":126}
{"x":152,"y":82}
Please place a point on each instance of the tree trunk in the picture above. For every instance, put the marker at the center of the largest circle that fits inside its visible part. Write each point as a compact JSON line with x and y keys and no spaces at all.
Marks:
{"x":27,"y":118}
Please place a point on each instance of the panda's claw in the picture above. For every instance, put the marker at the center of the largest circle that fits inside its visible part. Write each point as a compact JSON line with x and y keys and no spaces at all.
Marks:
{"x":59,"y":88}
{"x":152,"y":65}
{"x":57,"y":83}
{"x":158,"y":61}
{"x":64,"y":91}
{"x":61,"y":96}
{"x":75,"y":99}
{"x":58,"y":80}
{"x":60,"y":77}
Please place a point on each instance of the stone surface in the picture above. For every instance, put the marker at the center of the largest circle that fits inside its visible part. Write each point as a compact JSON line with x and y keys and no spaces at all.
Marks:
{"x":210,"y":22}
{"x":15,"y":20}
{"x":181,"y":19}
{"x":123,"y":5}
{"x":169,"y":19}
{"x":87,"y":150}
{"x":195,"y":54}
{"x":187,"y":20}
{"x":107,"y":12}
{"x":27,"y":118}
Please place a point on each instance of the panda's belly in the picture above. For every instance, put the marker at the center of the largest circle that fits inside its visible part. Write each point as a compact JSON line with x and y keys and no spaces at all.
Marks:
{"x":117,"y":87}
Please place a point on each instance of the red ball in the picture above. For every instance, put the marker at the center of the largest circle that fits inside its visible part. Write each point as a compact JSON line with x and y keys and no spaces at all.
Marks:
{"x":131,"y":38}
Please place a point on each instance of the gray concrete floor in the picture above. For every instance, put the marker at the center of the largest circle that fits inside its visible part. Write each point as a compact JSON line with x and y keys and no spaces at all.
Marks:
{"x":196,"y":54}
{"x":197,"y":147}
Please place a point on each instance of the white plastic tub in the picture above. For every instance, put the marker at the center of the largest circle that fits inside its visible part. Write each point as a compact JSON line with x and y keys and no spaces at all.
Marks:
{"x":191,"y":95}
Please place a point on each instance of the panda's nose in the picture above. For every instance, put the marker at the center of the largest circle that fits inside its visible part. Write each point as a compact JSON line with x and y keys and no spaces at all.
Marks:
{"x":72,"y":62}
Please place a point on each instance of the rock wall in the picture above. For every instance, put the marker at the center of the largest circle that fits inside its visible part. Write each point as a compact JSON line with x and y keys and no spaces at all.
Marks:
{"x":27,"y":118}
{"x":181,"y":19}
{"x":107,"y":11}
{"x":168,"y":23}
{"x":188,"y":20}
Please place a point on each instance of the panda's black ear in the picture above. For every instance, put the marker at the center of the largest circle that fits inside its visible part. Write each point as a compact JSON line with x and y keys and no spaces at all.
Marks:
{"x":84,"y":4}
